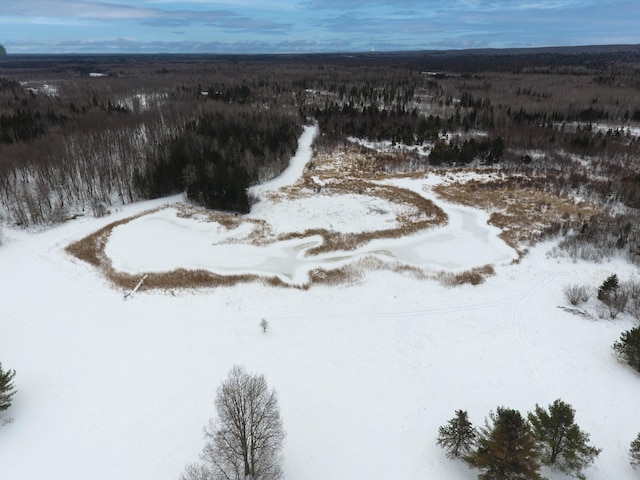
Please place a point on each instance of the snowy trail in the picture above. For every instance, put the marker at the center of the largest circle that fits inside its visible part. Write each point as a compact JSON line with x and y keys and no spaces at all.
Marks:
{"x":296,"y":166}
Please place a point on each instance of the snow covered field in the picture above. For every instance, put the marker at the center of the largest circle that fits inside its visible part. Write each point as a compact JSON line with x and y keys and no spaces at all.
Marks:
{"x":366,"y":372}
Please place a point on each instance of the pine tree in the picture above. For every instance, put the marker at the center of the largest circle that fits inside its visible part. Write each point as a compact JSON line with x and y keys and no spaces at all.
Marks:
{"x":607,"y":288}
{"x":563,"y":446}
{"x":634,"y":452}
{"x":7,"y":389}
{"x":506,"y":448}
{"x":458,"y":436}
{"x":628,"y":347}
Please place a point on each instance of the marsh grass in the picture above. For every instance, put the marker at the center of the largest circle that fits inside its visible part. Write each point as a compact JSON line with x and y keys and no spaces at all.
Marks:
{"x":520,"y":213}
{"x":475,"y":276}
{"x":90,"y":249}
{"x":524,"y":215}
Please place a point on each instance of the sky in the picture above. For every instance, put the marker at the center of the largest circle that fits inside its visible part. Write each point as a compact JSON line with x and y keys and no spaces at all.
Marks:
{"x":300,"y":26}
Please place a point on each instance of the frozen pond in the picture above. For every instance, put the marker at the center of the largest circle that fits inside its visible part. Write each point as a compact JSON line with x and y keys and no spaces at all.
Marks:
{"x":162,"y":241}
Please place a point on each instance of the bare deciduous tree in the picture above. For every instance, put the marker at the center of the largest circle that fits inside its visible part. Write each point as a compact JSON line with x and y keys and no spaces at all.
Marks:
{"x":246,"y":438}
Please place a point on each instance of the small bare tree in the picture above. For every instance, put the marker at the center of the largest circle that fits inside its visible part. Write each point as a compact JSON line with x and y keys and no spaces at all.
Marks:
{"x":264,"y":325}
{"x":245,"y":440}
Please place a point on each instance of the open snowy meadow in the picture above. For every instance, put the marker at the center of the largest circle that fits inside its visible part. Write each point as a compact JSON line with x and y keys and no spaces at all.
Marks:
{"x":366,"y":371}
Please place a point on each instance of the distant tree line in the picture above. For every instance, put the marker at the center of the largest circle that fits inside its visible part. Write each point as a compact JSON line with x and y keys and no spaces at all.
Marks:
{"x":94,"y":141}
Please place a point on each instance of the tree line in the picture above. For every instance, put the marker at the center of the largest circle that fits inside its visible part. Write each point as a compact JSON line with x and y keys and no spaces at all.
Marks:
{"x":515,"y":446}
{"x":96,"y":141}
{"x":216,"y":157}
{"x":93,"y":142}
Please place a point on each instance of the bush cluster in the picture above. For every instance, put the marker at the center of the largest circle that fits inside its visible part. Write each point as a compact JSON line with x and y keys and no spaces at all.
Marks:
{"x":613,"y":295}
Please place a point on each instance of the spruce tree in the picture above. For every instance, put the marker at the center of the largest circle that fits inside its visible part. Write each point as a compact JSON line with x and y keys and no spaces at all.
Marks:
{"x":458,"y":436}
{"x":7,"y":388}
{"x":607,"y":288}
{"x":628,"y":347}
{"x":634,"y":452}
{"x":563,"y":446}
{"x":506,"y":448}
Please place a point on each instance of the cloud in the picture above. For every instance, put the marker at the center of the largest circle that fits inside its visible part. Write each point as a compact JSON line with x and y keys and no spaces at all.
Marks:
{"x":78,"y":9}
{"x":313,"y":25}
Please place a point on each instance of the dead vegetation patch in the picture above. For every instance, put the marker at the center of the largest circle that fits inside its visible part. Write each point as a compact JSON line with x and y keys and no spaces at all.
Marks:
{"x":420,"y":214}
{"x":475,"y":276}
{"x":522,"y":214}
{"x":525,"y":215}
{"x":354,"y":271}
{"x":91,"y":248}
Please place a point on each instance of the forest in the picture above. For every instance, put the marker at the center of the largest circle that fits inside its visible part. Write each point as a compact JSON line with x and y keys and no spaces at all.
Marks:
{"x":80,"y":135}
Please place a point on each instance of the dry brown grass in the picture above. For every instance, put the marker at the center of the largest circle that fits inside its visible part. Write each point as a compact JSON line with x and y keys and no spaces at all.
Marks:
{"x":521,"y":214}
{"x":524,"y":215}
{"x":91,"y":248}
{"x":475,"y":276}
{"x":350,"y":170}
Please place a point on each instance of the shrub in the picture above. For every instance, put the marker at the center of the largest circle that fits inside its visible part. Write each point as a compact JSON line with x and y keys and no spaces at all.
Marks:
{"x":576,"y":294}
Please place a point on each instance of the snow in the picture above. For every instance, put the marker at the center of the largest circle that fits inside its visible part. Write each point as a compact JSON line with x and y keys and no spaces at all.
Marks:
{"x":366,"y":372}
{"x":296,"y":166}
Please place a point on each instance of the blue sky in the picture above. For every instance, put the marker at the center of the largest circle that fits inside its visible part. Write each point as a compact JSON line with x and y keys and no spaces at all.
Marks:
{"x":279,"y":26}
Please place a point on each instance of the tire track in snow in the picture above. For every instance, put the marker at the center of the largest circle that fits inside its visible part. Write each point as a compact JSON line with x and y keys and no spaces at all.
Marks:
{"x":374,"y":315}
{"x":518,"y":316}
{"x":30,"y":325}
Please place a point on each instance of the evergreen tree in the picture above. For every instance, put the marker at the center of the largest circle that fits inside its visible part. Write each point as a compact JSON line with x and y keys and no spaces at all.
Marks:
{"x":458,"y":436}
{"x":7,"y":388}
{"x":3,"y":50}
{"x":607,"y":288}
{"x":506,"y":448}
{"x":628,"y":347}
{"x":634,"y":452}
{"x":562,"y":444}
